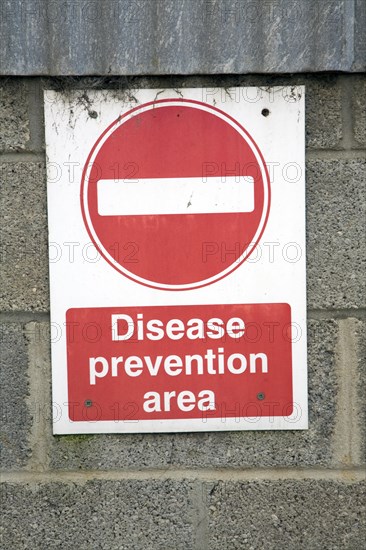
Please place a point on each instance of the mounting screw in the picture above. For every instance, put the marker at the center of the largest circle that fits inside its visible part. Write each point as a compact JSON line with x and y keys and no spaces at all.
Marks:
{"x":265,"y":112}
{"x":88,"y":402}
{"x":260,"y":396}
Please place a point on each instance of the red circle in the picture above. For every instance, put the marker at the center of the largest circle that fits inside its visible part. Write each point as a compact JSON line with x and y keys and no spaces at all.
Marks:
{"x":167,"y":139}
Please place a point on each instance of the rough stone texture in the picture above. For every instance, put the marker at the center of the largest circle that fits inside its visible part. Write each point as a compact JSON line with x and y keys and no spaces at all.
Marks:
{"x":24,"y":274}
{"x":222,"y":449}
{"x":360,"y":35}
{"x":110,"y":515}
{"x":14,"y":124}
{"x":361,"y":383}
{"x":323,"y":120}
{"x":359,"y":109}
{"x":335,"y":229}
{"x":296,"y":515}
{"x":15,"y":417}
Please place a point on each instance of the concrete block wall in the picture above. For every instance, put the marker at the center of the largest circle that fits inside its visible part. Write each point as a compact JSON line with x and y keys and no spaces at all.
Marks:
{"x":228,"y":490}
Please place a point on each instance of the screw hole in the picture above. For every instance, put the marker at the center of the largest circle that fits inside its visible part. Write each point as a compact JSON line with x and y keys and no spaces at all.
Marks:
{"x":260,"y":396}
{"x":265,"y":112}
{"x":88,"y":403}
{"x":93,"y":114}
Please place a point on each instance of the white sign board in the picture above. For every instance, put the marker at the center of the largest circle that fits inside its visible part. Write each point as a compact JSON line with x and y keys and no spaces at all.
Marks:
{"x":177,"y":259}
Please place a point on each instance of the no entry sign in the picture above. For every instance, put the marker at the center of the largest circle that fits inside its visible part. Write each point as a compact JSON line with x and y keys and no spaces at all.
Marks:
{"x":177,"y":260}
{"x":148,"y":180}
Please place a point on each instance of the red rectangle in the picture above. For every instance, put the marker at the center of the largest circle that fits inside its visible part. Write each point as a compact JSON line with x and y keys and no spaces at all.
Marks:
{"x":177,"y":362}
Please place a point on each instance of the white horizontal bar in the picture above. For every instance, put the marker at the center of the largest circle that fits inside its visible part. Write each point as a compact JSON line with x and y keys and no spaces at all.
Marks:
{"x":175,"y":196}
